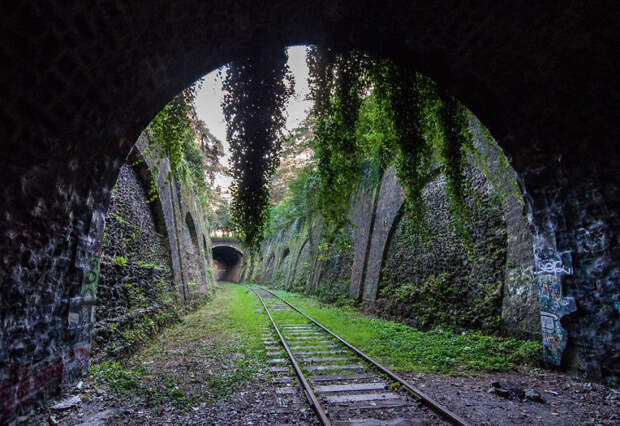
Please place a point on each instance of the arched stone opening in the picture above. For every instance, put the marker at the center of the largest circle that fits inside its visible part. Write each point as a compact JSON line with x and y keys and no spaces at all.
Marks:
{"x":228,"y":262}
{"x":549,"y":100}
{"x":193,"y":269}
{"x":189,"y":222}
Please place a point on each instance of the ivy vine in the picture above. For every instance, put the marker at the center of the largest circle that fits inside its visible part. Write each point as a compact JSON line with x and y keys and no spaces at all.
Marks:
{"x":170,"y":135}
{"x":373,"y":107}
{"x":257,"y":89}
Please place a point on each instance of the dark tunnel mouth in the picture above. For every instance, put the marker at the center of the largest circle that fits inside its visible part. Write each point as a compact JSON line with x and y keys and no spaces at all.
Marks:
{"x":230,"y":258}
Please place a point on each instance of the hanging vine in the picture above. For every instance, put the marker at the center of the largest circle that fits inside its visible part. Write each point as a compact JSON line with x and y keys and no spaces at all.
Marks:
{"x":257,"y":89}
{"x":336,"y":83}
{"x":368,"y":106}
{"x":454,"y":118}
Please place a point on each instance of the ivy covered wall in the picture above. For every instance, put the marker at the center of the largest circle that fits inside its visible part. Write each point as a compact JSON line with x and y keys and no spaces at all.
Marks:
{"x":444,"y":280}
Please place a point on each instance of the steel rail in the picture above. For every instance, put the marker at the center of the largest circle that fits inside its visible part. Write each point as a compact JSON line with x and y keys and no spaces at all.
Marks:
{"x":427,"y":400}
{"x":309,"y":393}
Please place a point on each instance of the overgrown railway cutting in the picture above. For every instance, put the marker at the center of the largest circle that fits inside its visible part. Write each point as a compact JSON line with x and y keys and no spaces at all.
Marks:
{"x":342,"y":384}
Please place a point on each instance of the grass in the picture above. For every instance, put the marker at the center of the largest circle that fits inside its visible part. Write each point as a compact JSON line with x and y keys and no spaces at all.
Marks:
{"x":203,"y":358}
{"x":217,"y":349}
{"x":405,"y":348}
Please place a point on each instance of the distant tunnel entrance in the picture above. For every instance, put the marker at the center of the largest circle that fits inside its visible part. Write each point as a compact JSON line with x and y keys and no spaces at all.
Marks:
{"x":228,"y":263}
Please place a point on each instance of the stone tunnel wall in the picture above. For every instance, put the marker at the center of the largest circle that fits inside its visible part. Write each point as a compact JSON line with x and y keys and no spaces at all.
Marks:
{"x":444,"y":281}
{"x":153,"y":264}
{"x":129,"y":286}
{"x":400,"y":276}
{"x":562,"y":275}
{"x":136,"y":282}
{"x":485,"y":283}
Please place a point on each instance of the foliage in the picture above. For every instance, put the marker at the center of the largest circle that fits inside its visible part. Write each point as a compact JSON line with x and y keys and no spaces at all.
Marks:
{"x":497,"y":172}
{"x":373,"y":109}
{"x":120,"y":380}
{"x":177,"y":134}
{"x":170,"y":129}
{"x":120,"y":261}
{"x":336,"y":85}
{"x":298,"y":203}
{"x":210,"y":146}
{"x":336,"y":293}
{"x":257,"y":89}
{"x":220,"y":221}
{"x":221,"y":341}
{"x":453,"y":118}
{"x":439,"y":302}
{"x":296,"y":155}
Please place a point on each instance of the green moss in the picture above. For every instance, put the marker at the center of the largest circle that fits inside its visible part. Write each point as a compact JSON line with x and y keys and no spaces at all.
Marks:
{"x":120,"y":261}
{"x":401,"y":347}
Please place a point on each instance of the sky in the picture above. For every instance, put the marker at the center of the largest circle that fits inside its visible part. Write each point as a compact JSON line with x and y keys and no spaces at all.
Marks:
{"x":209,"y":99}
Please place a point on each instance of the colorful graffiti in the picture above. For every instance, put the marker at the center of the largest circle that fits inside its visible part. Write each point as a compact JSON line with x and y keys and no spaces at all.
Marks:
{"x":551,"y":266}
{"x":553,"y":306}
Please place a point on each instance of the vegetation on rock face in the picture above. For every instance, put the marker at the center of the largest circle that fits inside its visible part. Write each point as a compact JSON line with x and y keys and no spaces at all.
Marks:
{"x":336,"y":87}
{"x":366,"y":110}
{"x":193,"y":152}
{"x":373,"y":108}
{"x":296,"y":155}
{"x":257,"y":90}
{"x":371,"y":114}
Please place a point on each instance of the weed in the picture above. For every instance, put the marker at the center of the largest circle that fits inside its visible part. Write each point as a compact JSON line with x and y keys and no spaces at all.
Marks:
{"x":120,"y":261}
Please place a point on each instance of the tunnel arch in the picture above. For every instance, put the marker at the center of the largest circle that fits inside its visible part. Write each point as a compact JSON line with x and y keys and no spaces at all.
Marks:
{"x":229,"y":262}
{"x":541,"y":77}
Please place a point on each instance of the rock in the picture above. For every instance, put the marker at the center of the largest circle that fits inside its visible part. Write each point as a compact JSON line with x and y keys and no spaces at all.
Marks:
{"x":507,"y":390}
{"x":533,"y":395}
{"x":67,"y":403}
{"x":52,"y":421}
{"x":503,"y":392}
{"x":100,"y":418}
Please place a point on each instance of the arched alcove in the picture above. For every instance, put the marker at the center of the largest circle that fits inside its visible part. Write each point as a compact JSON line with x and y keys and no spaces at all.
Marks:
{"x":191,"y":227}
{"x":229,"y":263}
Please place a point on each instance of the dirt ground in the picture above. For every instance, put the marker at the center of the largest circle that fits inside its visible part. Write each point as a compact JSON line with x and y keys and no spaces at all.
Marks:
{"x":567,"y":401}
{"x":209,"y":370}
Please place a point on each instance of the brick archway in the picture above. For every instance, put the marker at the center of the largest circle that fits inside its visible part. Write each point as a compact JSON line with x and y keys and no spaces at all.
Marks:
{"x":80,"y":83}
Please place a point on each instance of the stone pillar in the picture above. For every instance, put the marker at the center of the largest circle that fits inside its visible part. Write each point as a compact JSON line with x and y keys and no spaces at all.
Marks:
{"x":391,"y":198}
{"x":361,"y":215}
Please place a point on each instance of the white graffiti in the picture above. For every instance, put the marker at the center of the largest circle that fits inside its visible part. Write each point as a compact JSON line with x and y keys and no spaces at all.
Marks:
{"x":555,"y":266}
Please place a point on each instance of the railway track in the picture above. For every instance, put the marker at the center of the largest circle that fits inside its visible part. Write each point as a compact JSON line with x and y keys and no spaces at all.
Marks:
{"x":342,"y":384}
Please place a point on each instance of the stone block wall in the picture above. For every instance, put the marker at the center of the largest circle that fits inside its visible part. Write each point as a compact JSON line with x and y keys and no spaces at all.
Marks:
{"x":136,"y":277}
{"x":156,"y":258}
{"x":445,"y":280}
{"x":487,"y":283}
